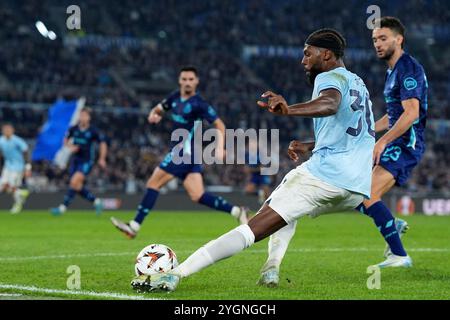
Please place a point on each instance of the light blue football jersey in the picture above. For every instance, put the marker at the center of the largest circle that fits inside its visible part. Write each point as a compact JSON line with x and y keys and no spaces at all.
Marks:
{"x":12,"y":151}
{"x":344,"y":142}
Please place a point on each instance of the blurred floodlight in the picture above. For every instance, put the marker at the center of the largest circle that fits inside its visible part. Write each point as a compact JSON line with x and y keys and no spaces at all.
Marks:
{"x":41,"y":28}
{"x":51,"y":35}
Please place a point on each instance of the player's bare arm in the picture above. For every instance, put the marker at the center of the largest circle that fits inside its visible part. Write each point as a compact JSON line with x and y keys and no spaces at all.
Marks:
{"x":156,"y":114}
{"x":404,"y":122}
{"x":220,"y":126}
{"x":26,"y":156}
{"x":297,"y":148}
{"x":382,"y":124}
{"x":326,"y":104}
{"x":72,"y":147}
{"x":102,"y":155}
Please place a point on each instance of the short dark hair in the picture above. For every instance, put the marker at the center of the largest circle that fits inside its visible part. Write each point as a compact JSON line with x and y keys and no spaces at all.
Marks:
{"x":330,"y":39}
{"x":189,"y":68}
{"x":392,"y":23}
{"x":87,"y":109}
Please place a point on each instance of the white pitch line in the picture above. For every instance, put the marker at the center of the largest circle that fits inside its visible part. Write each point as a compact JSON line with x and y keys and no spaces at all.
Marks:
{"x":68,"y":256}
{"x":108,"y":295}
{"x":11,"y":294}
{"x":132,"y":254}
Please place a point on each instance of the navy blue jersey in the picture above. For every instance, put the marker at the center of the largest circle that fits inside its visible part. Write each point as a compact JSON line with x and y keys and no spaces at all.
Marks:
{"x":86,"y":140}
{"x":405,"y":81}
{"x":185,"y":113}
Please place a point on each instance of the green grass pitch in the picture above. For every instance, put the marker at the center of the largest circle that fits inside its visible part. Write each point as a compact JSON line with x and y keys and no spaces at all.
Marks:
{"x":327,"y":259}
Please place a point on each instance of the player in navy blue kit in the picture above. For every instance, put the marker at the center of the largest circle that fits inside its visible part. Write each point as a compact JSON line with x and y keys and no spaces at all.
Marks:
{"x":81,"y":140}
{"x":258,"y":183}
{"x":187,"y":110}
{"x":400,"y":149}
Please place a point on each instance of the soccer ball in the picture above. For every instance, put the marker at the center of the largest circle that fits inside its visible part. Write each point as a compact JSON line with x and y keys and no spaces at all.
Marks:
{"x":155,"y":258}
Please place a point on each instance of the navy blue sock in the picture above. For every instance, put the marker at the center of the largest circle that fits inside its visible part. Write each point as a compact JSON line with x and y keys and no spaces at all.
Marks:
{"x":85,"y":193}
{"x":361,"y":208}
{"x":386,"y":224}
{"x":215,"y":202}
{"x":146,"y":205}
{"x":68,"y":198}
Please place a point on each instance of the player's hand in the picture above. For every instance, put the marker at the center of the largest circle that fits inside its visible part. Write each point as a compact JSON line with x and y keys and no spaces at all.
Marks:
{"x":102,"y":163}
{"x":73,"y":148}
{"x":378,"y":151}
{"x":297,"y":148}
{"x":153,"y":117}
{"x":275,"y":103}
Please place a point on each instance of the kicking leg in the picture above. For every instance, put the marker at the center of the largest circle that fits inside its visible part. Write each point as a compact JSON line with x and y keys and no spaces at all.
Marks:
{"x":265,"y":223}
{"x":194,"y":187}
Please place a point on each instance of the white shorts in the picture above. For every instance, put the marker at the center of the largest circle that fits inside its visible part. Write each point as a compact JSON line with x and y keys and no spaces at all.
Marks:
{"x":300,"y":193}
{"x":11,"y":178}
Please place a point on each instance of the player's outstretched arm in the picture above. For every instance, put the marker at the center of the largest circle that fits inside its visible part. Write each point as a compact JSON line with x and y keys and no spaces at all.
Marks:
{"x":27,"y":158}
{"x":220,"y":126}
{"x":326,"y":104}
{"x":156,"y":114}
{"x":382,"y":124}
{"x":102,"y":156}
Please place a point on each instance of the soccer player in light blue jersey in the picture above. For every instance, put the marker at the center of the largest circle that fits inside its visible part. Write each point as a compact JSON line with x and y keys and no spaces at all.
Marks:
{"x":16,"y":164}
{"x":336,"y":178}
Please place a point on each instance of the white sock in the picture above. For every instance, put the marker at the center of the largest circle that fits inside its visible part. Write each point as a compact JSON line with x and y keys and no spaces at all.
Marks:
{"x":235,"y":211}
{"x":223,"y":247}
{"x":277,"y":247}
{"x":134,"y":225}
{"x":62,"y":208}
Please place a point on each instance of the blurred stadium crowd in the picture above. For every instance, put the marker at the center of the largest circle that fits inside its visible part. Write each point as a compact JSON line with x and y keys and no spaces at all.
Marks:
{"x":127,"y":55}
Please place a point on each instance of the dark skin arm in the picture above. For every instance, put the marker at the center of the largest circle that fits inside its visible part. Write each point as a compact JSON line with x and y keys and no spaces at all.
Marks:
{"x":326,"y":104}
{"x":297,"y":148}
{"x":26,"y":156}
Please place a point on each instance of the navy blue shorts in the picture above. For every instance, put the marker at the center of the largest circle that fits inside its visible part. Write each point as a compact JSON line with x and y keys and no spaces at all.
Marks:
{"x":259,"y":179}
{"x":399,"y":160}
{"x":179,"y":170}
{"x":80,"y":166}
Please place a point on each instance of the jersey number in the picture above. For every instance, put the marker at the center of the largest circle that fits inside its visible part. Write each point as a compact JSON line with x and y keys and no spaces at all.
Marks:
{"x":356,"y":106}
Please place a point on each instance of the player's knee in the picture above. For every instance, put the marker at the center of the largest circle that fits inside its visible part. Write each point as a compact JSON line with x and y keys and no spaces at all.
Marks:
{"x":76,"y":183}
{"x":152,"y":184}
{"x":195,"y":196}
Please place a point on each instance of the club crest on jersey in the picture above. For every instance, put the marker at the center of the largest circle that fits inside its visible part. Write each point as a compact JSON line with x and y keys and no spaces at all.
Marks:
{"x":410,"y":83}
